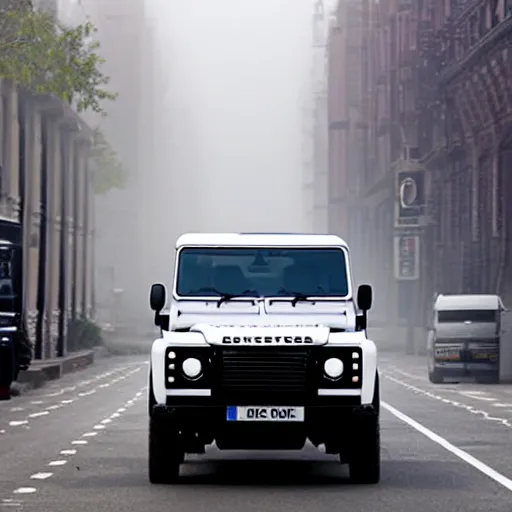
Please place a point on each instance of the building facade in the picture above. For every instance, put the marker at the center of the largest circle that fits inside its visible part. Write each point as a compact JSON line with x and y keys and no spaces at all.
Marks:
{"x":433,"y":184}
{"x":346,"y":124}
{"x":45,"y":186}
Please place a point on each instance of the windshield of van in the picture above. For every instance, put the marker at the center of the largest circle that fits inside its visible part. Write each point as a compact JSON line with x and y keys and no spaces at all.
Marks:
{"x":469,"y":315}
{"x":260,"y":271}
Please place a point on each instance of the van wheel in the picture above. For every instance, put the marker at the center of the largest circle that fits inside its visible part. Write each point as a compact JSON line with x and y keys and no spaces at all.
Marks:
{"x":435,"y":377}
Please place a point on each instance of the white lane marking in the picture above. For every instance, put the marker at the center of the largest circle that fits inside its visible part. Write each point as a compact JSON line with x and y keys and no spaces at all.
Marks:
{"x":122,"y":409}
{"x":106,"y":421}
{"x":485,"y":415}
{"x":502,"y":405}
{"x":477,"y":396}
{"x":461,"y":454}
{"x":63,"y":403}
{"x":90,"y":434}
{"x":38,"y":414}
{"x":41,"y":476}
{"x":16,"y":409}
{"x":99,"y":427}
{"x":54,"y":407}
{"x":9,"y":502}
{"x":61,"y":462}
{"x":68,"y":452}
{"x":87,"y":393}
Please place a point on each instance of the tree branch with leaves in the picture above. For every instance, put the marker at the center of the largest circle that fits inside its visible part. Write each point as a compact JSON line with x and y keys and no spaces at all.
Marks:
{"x":48,"y":58}
{"x":107,"y":170}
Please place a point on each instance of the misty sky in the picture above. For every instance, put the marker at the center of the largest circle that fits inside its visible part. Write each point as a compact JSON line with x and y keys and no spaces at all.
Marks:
{"x":236,"y":70}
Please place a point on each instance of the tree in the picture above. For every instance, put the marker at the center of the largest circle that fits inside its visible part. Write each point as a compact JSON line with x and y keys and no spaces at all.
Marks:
{"x":108,"y":172}
{"x":49,"y":59}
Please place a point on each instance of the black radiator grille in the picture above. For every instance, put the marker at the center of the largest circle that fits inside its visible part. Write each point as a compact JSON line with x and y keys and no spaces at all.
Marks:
{"x":256,"y":372}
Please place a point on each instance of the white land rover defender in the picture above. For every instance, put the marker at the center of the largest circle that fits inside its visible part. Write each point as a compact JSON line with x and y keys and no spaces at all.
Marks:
{"x":263,"y":348}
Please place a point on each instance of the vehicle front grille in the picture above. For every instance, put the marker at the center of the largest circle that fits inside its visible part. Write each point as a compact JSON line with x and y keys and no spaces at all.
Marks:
{"x":259,"y":373}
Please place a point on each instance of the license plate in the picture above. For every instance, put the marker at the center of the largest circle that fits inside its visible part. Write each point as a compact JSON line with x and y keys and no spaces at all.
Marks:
{"x":447,"y":354}
{"x":264,"y":413}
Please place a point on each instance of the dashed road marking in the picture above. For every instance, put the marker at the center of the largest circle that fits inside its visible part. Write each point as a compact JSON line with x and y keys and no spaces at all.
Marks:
{"x":38,"y":414}
{"x":41,"y":476}
{"x":44,"y":475}
{"x":461,"y":454}
{"x":99,"y":427}
{"x":54,"y":407}
{"x":68,"y":452}
{"x":18,"y":423}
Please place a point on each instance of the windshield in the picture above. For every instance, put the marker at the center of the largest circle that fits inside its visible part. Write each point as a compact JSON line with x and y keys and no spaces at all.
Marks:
{"x":262,"y":272}
{"x":469,"y":315}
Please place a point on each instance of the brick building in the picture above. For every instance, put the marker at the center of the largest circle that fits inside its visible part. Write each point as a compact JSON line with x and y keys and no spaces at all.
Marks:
{"x":432,"y":189}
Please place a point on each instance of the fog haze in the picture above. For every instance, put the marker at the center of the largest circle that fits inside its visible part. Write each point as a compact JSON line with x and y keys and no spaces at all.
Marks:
{"x":236,"y":69}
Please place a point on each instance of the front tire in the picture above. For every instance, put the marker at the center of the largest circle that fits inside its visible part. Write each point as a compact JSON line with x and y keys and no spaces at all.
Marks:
{"x":364,"y":466}
{"x":165,"y":452}
{"x":435,"y":376}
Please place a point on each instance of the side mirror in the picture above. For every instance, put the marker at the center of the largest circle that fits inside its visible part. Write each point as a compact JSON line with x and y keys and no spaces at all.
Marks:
{"x":157,"y":297}
{"x":364,"y":297}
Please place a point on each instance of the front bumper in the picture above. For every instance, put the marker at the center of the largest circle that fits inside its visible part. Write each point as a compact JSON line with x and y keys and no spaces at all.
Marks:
{"x":461,"y":369}
{"x":209,"y":422}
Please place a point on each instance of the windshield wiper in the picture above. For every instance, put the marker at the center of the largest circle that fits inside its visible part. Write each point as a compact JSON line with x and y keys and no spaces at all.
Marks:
{"x":298,"y":296}
{"x":225,"y":297}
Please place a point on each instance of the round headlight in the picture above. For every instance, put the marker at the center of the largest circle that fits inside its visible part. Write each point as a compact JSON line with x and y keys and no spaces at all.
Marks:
{"x":333,"y":368}
{"x":192,"y":368}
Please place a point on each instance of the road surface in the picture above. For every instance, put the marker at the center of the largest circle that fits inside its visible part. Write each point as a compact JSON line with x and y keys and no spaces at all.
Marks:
{"x":80,"y":445}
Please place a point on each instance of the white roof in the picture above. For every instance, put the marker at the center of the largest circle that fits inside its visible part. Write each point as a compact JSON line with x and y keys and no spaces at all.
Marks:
{"x":477,"y":301}
{"x":260,"y":239}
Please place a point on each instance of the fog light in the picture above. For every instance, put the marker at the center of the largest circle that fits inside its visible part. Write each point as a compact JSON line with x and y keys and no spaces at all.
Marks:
{"x":355,"y":366}
{"x":172,"y":366}
{"x":333,"y":368}
{"x":192,"y":368}
{"x":355,"y":379}
{"x":170,"y":379}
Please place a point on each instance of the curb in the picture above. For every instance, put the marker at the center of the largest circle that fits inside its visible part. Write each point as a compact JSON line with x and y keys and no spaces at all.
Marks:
{"x":41,"y":372}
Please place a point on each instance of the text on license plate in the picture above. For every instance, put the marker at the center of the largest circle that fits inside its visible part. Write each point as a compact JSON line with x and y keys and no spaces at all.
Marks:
{"x":264,"y":413}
